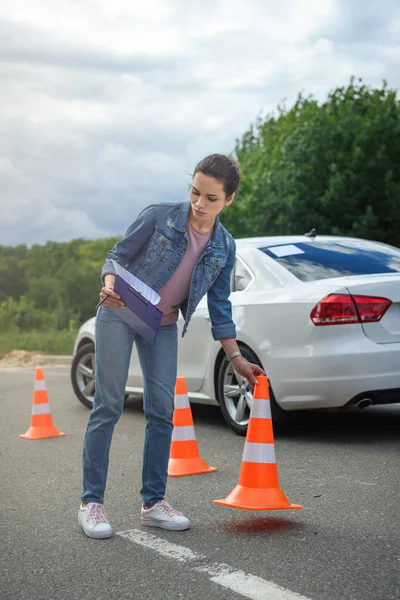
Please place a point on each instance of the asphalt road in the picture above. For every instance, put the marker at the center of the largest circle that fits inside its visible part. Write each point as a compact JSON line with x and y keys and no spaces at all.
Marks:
{"x":343,"y":545}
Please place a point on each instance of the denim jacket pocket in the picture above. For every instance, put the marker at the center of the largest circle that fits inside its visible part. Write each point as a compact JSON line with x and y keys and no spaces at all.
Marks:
{"x":161,"y":247}
{"x":212,"y":267}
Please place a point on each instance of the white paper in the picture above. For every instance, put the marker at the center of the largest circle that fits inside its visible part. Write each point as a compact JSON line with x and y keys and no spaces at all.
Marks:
{"x":288,"y":250}
{"x":137,"y":284}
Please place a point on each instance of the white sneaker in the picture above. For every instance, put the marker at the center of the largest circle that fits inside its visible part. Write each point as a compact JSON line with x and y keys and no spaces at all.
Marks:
{"x":93,"y":521}
{"x":164,"y":516}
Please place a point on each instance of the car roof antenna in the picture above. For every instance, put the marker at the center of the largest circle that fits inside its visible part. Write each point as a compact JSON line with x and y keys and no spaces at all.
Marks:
{"x":312,"y":233}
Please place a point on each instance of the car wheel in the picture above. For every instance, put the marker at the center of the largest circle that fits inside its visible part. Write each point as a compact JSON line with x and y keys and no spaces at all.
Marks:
{"x":236,"y":397}
{"x":83,"y":374}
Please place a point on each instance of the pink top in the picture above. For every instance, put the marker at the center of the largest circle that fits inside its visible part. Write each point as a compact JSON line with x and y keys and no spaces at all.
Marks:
{"x":176,"y":290}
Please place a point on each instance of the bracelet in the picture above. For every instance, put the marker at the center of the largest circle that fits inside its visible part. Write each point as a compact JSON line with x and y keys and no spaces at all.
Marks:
{"x":233,"y":355}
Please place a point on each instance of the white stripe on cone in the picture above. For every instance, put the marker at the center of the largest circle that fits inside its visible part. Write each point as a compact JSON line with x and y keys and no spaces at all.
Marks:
{"x":182,"y":401}
{"x":259,"y":453}
{"x":261,"y":409}
{"x":41,"y":409}
{"x":183,"y":434}
{"x":40,"y":384}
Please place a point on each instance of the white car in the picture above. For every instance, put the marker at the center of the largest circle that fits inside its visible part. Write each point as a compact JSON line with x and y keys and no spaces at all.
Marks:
{"x":321,"y":315}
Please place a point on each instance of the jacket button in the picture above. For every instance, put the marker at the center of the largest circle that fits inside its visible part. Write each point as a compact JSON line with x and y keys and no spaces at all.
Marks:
{"x":192,"y":299}
{"x":163,"y":242}
{"x":195,"y":281}
{"x":170,"y":268}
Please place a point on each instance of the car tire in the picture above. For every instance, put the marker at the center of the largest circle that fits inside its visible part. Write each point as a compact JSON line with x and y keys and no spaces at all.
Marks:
{"x":83,"y":374}
{"x":240,"y":393}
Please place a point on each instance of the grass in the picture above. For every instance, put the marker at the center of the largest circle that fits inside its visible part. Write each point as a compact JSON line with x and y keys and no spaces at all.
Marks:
{"x":49,"y":341}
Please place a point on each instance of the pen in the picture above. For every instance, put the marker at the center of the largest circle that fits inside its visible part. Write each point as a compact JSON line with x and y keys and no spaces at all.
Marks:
{"x":101,"y":301}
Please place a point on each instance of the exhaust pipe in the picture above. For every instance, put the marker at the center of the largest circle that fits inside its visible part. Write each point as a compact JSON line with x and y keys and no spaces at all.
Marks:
{"x":364,"y":403}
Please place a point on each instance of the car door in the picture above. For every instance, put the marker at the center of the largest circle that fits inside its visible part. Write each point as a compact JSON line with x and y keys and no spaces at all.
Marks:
{"x":135,"y":378}
{"x":193,"y":351}
{"x":195,"y":348}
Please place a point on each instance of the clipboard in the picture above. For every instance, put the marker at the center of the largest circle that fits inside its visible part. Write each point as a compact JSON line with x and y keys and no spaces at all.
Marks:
{"x":143,"y":316}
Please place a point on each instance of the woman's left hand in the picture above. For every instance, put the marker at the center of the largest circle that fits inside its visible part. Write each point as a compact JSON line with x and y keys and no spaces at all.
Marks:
{"x":247,"y":370}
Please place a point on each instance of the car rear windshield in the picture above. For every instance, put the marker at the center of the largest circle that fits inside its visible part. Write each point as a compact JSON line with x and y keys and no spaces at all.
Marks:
{"x":313,"y":260}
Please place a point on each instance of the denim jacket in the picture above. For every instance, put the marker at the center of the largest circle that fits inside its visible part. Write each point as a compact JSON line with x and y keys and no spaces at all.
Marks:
{"x":153,"y":248}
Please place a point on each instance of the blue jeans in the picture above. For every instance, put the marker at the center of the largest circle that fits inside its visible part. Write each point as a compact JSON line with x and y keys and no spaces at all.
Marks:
{"x":113,"y":343}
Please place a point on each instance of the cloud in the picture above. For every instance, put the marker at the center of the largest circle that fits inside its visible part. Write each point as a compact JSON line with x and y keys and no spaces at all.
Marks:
{"x":106,"y":107}
{"x":28,"y":45}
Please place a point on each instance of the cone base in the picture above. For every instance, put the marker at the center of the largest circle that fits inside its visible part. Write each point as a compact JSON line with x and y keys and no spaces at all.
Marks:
{"x":181,"y":467}
{"x":246,"y":498}
{"x":39,"y":433}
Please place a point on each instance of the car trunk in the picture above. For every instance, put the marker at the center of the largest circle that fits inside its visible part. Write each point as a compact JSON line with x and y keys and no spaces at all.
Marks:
{"x":387,"y":330}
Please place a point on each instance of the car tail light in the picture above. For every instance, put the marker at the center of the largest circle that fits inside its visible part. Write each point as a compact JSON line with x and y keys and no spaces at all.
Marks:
{"x":370,"y":308}
{"x":343,"y":309}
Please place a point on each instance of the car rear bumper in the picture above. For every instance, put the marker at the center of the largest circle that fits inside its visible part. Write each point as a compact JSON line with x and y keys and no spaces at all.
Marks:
{"x":332,"y":378}
{"x":377,"y":397}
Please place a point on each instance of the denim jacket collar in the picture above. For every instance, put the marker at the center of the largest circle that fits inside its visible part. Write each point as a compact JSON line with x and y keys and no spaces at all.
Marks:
{"x":182,"y":220}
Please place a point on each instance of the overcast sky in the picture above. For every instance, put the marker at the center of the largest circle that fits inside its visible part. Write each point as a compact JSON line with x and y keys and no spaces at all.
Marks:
{"x":107,"y":105}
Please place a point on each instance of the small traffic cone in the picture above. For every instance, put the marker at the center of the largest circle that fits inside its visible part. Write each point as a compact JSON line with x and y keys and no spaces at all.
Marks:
{"x":41,"y":422}
{"x":258,"y":487}
{"x":184,"y":456}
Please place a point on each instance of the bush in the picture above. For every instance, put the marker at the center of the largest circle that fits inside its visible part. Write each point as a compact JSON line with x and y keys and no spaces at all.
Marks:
{"x":49,"y":341}
{"x":22,"y":315}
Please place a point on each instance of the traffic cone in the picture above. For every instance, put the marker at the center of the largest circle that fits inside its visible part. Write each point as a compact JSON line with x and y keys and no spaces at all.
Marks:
{"x":184,"y":456}
{"x":41,"y":422}
{"x":258,"y":487}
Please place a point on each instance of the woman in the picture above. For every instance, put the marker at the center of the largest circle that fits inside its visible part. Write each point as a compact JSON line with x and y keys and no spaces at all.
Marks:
{"x":182,"y":252}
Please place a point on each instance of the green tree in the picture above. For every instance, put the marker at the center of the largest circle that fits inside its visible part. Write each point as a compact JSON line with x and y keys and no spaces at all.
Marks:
{"x":13,"y":271}
{"x":60,"y":279}
{"x":334,"y":166}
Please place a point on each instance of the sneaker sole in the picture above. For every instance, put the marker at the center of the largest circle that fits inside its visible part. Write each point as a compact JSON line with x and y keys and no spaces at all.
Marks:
{"x":96,"y":535}
{"x":165,"y":525}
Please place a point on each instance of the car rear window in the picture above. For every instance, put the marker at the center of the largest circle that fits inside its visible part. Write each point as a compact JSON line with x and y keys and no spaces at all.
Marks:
{"x":310,"y":261}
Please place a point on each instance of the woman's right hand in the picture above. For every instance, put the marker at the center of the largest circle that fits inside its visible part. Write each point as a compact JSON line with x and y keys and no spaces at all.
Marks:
{"x":114,"y":301}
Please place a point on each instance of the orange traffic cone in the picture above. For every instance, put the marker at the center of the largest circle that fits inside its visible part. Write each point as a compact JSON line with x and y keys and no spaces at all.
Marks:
{"x":258,"y":487}
{"x":41,"y":423}
{"x":184,"y":456}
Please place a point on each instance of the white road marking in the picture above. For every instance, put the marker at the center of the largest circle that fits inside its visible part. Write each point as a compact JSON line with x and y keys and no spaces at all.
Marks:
{"x":238,"y":581}
{"x":159,"y":545}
